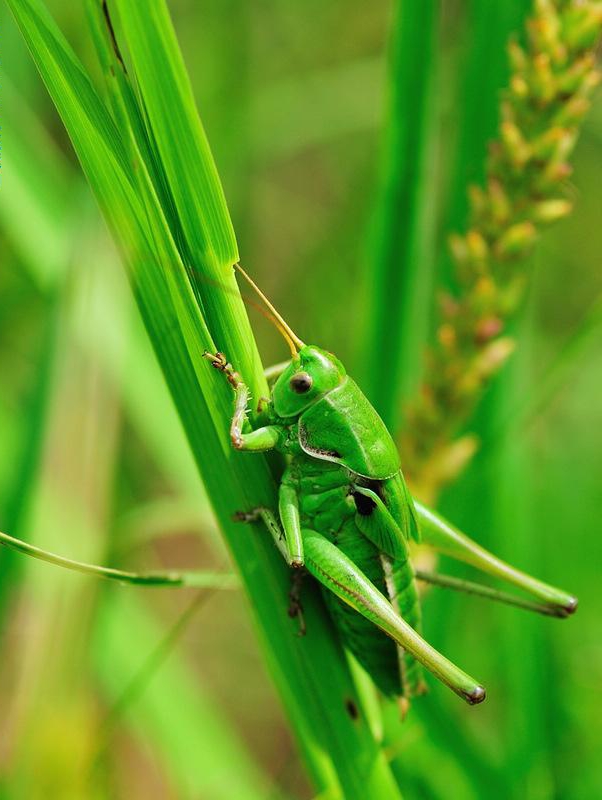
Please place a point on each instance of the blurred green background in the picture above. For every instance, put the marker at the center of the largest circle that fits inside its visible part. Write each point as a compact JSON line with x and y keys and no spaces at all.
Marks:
{"x":130,"y":693}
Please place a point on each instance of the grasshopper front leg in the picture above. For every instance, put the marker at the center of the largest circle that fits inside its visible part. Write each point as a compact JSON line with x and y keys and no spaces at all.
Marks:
{"x":287,"y":538}
{"x":264,"y":438}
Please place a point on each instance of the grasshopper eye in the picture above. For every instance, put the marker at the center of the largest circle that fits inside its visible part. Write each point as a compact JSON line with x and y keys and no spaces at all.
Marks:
{"x":301,"y":382}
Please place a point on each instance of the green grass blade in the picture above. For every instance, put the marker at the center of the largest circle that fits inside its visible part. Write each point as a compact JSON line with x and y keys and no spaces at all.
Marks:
{"x":171,"y":579}
{"x":180,"y":138}
{"x":400,"y":269}
{"x":209,"y":248}
{"x":38,"y":195}
{"x":312,"y":674}
{"x":41,"y":198}
{"x":189,"y":732}
{"x":51,"y":697}
{"x":19,"y":494}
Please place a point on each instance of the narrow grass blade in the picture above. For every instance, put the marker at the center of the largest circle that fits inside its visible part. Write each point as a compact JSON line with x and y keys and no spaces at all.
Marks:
{"x":312,"y":674}
{"x":399,"y":273}
{"x":189,"y":732}
{"x":173,"y":579}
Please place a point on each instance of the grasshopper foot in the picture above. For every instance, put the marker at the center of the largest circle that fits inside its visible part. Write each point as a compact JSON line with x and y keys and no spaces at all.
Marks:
{"x":254,"y":515}
{"x":217,"y":360}
{"x":220,"y":362}
{"x":570,"y":607}
{"x":477,"y":695}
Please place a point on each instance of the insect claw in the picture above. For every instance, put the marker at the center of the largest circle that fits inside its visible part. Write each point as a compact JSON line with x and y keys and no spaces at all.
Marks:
{"x":218,"y":360}
{"x":571,"y":606}
{"x":246,"y":516}
{"x":477,"y":695}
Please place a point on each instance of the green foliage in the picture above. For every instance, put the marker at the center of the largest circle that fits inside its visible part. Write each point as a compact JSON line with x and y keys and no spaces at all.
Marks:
{"x":551,"y":82}
{"x":157,"y":240}
{"x":401,"y":259}
{"x":291,"y":100}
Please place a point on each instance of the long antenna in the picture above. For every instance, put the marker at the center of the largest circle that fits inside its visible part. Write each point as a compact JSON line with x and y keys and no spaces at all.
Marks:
{"x":291,"y":337}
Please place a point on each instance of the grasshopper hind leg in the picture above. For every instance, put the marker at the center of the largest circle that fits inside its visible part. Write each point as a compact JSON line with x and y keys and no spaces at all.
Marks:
{"x":447,"y":539}
{"x":337,"y":572}
{"x":401,"y":588}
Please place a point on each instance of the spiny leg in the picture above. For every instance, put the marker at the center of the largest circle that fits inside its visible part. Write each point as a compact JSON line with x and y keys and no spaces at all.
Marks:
{"x":402,"y":593}
{"x":264,"y":438}
{"x":444,"y":537}
{"x":339,"y":574}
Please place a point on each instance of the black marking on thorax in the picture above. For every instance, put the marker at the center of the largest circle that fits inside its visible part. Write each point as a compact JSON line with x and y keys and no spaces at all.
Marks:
{"x":365,"y":505}
{"x":318,"y":451}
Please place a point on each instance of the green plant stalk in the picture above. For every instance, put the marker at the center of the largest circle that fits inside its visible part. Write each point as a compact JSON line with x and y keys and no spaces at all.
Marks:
{"x":510,"y":498}
{"x":399,"y":272}
{"x":552,"y":79}
{"x":342,"y":755}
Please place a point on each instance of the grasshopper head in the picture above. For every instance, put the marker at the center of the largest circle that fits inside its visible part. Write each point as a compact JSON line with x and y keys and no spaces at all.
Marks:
{"x":311,"y":374}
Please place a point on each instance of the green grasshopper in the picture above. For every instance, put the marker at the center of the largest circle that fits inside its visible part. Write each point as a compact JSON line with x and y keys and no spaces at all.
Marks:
{"x":345,"y":515}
